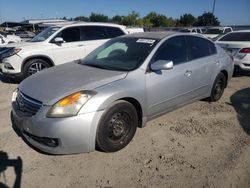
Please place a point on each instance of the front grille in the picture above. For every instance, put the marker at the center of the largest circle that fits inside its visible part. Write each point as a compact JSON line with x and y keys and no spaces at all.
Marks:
{"x":27,"y":104}
{"x":50,"y":142}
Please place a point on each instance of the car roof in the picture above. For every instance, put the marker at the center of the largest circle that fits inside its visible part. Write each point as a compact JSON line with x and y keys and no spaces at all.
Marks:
{"x":152,"y":35}
{"x":241,"y":31}
{"x":90,"y":23}
{"x":218,"y":27}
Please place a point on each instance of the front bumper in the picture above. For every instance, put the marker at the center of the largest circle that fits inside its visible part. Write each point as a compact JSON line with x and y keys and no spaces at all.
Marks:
{"x":14,"y":68}
{"x":73,"y":134}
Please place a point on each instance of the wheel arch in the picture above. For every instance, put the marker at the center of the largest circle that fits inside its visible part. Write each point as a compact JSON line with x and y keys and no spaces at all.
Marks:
{"x":43,"y":57}
{"x":226,"y":76}
{"x":137,"y":106}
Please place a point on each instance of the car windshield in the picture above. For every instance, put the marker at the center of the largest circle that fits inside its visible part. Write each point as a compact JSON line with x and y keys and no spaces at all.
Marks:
{"x":214,"y":31}
{"x":240,"y":36}
{"x":121,"y":54}
{"x":44,"y":35}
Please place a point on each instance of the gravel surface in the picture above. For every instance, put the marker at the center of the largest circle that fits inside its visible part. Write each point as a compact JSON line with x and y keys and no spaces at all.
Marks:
{"x":200,"y":145}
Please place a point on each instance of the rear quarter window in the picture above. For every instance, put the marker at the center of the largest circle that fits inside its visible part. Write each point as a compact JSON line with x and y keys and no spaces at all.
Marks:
{"x":93,"y":33}
{"x":113,"y":32}
{"x":199,"y":47}
{"x":242,"y":36}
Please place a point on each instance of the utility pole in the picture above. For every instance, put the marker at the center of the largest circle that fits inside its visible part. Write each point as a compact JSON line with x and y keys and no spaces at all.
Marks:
{"x":213,"y":6}
{"x":1,"y":20}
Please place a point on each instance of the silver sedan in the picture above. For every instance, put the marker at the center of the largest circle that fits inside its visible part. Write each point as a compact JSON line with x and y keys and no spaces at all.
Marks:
{"x":99,"y":101}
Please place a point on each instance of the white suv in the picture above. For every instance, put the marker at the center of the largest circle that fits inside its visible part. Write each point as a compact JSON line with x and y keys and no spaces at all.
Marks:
{"x":54,"y":46}
{"x":215,"y":32}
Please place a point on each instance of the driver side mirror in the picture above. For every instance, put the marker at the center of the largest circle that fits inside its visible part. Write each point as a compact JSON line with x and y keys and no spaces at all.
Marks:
{"x":59,"y":40}
{"x":162,"y":65}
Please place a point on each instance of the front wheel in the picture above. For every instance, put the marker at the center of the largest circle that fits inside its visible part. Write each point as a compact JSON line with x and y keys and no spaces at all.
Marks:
{"x":117,"y":127}
{"x":33,"y":66}
{"x":218,"y":88}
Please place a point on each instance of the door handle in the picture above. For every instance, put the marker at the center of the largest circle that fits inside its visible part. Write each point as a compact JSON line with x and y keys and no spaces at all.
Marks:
{"x":188,"y":73}
{"x":80,"y":45}
{"x":216,"y":62}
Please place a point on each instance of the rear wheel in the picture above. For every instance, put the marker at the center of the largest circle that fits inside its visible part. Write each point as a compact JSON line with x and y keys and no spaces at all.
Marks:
{"x":117,"y":127}
{"x":33,"y":66}
{"x":218,"y":87}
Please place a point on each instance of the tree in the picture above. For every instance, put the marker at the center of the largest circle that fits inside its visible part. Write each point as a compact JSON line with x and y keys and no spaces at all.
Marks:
{"x":81,"y":18}
{"x":159,"y":20}
{"x":130,"y":19}
{"x":207,"y":19}
{"x":98,"y":17}
{"x":187,"y":20}
{"x":117,"y":19}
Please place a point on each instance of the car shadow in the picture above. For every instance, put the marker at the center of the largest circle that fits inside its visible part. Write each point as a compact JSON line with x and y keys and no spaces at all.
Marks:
{"x":239,"y":73}
{"x":8,"y":80}
{"x":5,"y":163}
{"x":240,"y":100}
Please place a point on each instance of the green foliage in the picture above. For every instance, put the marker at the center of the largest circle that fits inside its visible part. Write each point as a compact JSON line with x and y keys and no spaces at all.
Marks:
{"x":157,"y":20}
{"x":81,"y":18}
{"x":153,"y":19}
{"x":94,"y":17}
{"x":207,"y":19}
{"x":117,"y":19}
{"x":187,"y":20}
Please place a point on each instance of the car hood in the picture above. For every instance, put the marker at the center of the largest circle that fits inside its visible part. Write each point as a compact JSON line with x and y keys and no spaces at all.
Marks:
{"x":28,"y":45}
{"x":53,"y":84}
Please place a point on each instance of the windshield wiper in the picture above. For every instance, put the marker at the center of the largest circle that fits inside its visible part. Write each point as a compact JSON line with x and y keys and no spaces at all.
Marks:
{"x":94,"y":65}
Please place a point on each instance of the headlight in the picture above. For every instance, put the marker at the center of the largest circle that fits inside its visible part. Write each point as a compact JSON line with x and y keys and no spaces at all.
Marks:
{"x":14,"y":95}
{"x":70,"y":105}
{"x":11,"y":52}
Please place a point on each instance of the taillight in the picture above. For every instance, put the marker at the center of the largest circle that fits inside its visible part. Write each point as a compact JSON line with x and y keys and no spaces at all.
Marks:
{"x":245,"y":50}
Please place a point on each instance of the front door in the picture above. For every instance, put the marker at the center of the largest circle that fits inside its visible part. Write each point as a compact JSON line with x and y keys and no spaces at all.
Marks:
{"x":71,"y":49}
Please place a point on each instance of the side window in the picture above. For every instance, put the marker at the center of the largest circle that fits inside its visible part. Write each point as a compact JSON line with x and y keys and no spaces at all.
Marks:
{"x":93,"y":33}
{"x":213,"y":49}
{"x":174,"y":49}
{"x":114,"y":32}
{"x":198,"y":31}
{"x":227,"y":30}
{"x":198,"y":47}
{"x":70,"y":34}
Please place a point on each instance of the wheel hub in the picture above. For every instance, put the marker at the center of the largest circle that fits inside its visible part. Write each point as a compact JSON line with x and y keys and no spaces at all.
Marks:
{"x":36,"y":67}
{"x":119,"y":127}
{"x":218,"y":89}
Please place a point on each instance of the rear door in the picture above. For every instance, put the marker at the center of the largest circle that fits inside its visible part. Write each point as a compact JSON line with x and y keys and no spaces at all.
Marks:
{"x":203,"y":63}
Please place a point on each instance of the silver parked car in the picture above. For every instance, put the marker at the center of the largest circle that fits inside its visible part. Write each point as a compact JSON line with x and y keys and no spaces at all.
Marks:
{"x":102,"y":99}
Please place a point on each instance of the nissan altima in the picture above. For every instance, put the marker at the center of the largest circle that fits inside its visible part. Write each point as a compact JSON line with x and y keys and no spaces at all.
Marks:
{"x":100,"y":101}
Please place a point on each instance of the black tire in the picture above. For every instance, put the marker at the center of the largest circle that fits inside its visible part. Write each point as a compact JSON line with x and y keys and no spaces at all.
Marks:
{"x":33,"y":66}
{"x":117,"y":127}
{"x":218,"y":87}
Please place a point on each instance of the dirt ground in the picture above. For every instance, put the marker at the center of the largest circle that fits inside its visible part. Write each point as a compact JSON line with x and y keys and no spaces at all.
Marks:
{"x":200,"y":145}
